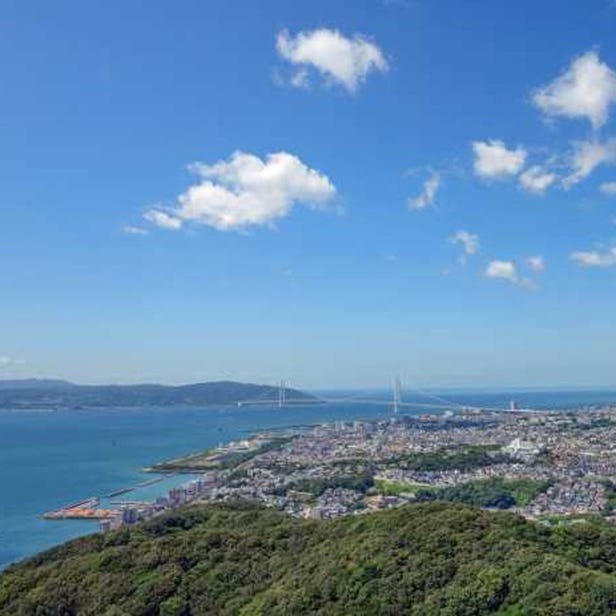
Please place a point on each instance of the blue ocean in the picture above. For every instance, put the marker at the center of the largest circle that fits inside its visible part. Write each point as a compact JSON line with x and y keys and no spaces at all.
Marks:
{"x":49,"y":459}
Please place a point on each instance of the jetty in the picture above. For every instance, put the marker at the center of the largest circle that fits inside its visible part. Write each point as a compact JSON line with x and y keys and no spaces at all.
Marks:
{"x":120,"y":491}
{"x":141,"y":484}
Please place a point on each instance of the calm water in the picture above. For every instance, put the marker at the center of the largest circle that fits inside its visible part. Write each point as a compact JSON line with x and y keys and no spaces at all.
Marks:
{"x":50,"y":459}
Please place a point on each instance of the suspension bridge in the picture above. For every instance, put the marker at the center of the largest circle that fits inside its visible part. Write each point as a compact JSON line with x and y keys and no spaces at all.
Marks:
{"x":396,"y":401}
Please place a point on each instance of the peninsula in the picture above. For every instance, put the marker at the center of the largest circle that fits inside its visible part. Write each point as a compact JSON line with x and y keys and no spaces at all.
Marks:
{"x":47,"y":393}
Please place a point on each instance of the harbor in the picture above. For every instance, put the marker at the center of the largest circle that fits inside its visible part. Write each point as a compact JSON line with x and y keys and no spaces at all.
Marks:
{"x":91,"y":509}
{"x":84,"y":510}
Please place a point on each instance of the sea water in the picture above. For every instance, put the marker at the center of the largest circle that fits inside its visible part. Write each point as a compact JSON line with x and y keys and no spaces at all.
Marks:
{"x":49,"y":459}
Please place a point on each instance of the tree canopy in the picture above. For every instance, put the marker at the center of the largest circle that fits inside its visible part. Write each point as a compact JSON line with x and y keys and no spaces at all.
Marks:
{"x":421,"y":559}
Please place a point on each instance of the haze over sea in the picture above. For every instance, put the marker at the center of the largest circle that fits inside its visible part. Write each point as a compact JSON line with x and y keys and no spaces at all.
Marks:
{"x":52,"y":458}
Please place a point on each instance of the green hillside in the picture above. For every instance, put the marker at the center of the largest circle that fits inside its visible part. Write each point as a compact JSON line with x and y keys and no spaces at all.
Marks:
{"x":429,"y":558}
{"x":45,"y":393}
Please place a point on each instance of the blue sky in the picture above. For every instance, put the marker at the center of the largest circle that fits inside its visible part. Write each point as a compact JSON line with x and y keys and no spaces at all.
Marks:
{"x":315,"y":162}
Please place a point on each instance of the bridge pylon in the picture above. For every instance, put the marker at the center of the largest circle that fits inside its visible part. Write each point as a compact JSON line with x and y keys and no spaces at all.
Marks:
{"x":397,"y":395}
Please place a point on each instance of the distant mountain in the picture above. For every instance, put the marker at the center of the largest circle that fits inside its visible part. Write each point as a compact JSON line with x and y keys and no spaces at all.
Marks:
{"x":43,"y":393}
{"x":35,"y":384}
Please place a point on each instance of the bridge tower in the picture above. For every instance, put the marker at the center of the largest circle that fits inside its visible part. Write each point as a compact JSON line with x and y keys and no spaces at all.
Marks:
{"x":397,"y":395}
{"x":282,"y":394}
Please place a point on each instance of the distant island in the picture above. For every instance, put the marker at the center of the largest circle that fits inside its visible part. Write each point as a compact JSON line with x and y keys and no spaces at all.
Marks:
{"x":49,"y":393}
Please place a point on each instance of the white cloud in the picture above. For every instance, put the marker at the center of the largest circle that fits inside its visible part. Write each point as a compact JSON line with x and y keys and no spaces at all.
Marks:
{"x":507,"y":270}
{"x":595,"y":258}
{"x":6,"y":362}
{"x":428,"y":194}
{"x":162,"y":219}
{"x":536,"y":263}
{"x":339,"y":59}
{"x":493,"y":160}
{"x":536,"y":179}
{"x":586,"y":156}
{"x":468,"y":241}
{"x":300,"y":79}
{"x":246,"y":190}
{"x":608,"y":188}
{"x":502,"y":269}
{"x":134,"y":230}
{"x":586,"y":89}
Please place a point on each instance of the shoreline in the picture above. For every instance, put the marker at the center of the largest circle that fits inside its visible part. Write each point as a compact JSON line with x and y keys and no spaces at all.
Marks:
{"x":116,"y":461}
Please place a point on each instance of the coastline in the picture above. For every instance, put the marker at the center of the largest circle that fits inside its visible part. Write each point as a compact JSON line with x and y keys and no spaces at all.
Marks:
{"x":105,"y":450}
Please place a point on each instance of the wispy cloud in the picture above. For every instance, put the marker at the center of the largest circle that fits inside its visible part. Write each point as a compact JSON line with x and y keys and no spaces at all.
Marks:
{"x":608,"y":188}
{"x":469,"y":243}
{"x":536,"y":263}
{"x":130,"y":230}
{"x":586,"y":157}
{"x":7,"y":362}
{"x":428,"y":194}
{"x":163,"y":219}
{"x":595,"y":258}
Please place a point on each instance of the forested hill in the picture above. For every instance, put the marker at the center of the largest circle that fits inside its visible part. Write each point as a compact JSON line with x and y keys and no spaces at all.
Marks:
{"x":424,"y":559}
{"x":34,"y":393}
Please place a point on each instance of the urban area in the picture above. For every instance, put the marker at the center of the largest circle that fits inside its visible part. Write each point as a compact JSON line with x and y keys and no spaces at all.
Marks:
{"x":548,"y":466}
